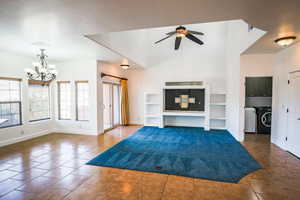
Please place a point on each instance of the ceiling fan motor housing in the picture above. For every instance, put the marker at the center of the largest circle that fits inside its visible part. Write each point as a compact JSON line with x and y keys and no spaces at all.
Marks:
{"x":181,"y":31}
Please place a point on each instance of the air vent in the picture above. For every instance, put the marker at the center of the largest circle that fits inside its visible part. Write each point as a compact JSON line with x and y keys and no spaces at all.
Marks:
{"x":185,"y":83}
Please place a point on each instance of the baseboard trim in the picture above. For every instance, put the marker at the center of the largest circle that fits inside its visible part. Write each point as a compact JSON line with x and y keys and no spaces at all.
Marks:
{"x":279,"y":144}
{"x":78,"y":132}
{"x":23,"y":138}
{"x":183,"y":125}
{"x":135,"y":124}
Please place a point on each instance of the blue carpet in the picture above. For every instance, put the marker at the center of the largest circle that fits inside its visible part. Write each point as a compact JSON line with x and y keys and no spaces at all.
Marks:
{"x":181,"y":151}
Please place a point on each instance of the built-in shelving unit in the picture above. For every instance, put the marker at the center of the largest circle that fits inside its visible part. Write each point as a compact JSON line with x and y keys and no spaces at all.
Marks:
{"x":152,"y":109}
{"x":188,"y":118}
{"x":213,"y":116}
{"x":217,"y":111}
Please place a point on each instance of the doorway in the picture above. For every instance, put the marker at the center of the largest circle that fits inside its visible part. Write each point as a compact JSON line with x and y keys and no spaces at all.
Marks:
{"x":258,"y":105}
{"x":111,"y":105}
{"x":293,"y":136}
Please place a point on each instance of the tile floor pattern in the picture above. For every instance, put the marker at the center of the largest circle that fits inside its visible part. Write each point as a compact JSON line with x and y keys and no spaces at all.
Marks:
{"x":52,"y":167}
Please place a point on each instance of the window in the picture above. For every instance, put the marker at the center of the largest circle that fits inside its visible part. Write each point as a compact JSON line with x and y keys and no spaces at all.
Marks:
{"x":64,"y":100}
{"x":10,"y":102}
{"x":39,"y":101}
{"x":82,"y":100}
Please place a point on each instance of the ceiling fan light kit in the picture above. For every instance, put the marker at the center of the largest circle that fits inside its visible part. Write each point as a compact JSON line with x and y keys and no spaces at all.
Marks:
{"x":181,"y":32}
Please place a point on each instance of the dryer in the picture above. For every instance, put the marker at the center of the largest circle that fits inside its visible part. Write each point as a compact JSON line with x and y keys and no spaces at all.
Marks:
{"x":250,"y":120}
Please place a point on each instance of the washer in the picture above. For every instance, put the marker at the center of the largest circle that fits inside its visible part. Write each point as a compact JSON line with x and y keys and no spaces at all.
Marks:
{"x":264,"y":119}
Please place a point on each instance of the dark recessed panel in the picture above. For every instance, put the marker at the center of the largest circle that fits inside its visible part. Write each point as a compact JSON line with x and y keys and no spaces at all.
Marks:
{"x":184,"y":99}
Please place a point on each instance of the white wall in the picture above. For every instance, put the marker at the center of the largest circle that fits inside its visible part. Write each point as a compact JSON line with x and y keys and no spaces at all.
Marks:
{"x":190,"y":63}
{"x":239,"y":38}
{"x":73,"y":71}
{"x":277,"y":65}
{"x":108,"y":68}
{"x":217,"y":63}
{"x":253,"y":65}
{"x":13,"y":66}
{"x":286,"y":61}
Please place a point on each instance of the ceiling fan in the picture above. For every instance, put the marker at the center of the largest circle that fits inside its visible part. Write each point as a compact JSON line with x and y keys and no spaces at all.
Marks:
{"x":181,"y":32}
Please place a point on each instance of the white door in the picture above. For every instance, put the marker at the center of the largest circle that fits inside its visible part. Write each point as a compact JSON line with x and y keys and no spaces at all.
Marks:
{"x":293,"y":138}
{"x":111,"y":104}
{"x":107,"y":105}
{"x":116,"y":104}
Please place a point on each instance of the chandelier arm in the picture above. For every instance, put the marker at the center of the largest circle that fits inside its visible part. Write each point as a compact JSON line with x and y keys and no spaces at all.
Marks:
{"x":50,"y":77}
{"x":42,"y":73}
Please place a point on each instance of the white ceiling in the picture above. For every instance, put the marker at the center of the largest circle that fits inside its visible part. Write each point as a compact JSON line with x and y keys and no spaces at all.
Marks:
{"x":63,"y":23}
{"x":139,"y":45}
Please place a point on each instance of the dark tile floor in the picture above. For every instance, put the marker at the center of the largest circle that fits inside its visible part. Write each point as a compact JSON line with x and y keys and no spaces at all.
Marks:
{"x":52,"y":167}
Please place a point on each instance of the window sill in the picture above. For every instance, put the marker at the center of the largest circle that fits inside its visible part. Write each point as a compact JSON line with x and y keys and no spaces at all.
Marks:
{"x":39,"y":120}
{"x":11,"y":126}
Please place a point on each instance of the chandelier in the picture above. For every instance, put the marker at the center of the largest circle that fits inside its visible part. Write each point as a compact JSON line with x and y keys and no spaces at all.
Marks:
{"x":42,"y":71}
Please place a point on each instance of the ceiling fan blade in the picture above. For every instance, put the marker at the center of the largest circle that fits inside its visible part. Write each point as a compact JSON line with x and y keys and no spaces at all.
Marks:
{"x":177,"y":42}
{"x":196,"y":32}
{"x":163,"y":39}
{"x":171,"y":33}
{"x":194,"y":39}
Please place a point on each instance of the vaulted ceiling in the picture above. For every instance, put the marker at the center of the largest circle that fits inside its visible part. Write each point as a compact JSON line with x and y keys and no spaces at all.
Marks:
{"x":63,"y":23}
{"x":139,"y":45}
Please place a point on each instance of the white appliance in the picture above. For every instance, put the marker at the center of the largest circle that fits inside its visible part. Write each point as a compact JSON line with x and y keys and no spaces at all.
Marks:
{"x":250,"y":120}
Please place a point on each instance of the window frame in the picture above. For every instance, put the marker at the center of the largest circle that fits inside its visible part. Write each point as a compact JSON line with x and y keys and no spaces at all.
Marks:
{"x":59,"y":99}
{"x":76,"y":100}
{"x":30,"y":82}
{"x":11,"y":102}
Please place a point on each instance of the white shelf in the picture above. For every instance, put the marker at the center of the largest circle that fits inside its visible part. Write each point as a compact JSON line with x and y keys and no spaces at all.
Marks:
{"x":218,"y":93}
{"x":184,"y":113}
{"x":152,"y":109}
{"x":217,"y":118}
{"x":218,"y":111}
{"x":152,"y":116}
{"x":152,"y":103}
{"x":218,"y":104}
{"x":185,"y":87}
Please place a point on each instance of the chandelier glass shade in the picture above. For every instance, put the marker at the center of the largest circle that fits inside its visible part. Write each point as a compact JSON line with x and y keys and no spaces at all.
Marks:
{"x":42,"y":70}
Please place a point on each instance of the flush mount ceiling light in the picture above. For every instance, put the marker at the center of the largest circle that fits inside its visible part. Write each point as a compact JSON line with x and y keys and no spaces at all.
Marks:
{"x":125,"y":64}
{"x":285,"y":41}
{"x":42,"y":71}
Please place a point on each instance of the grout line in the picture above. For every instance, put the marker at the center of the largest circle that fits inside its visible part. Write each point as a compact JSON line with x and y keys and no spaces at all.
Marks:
{"x":163,"y":190}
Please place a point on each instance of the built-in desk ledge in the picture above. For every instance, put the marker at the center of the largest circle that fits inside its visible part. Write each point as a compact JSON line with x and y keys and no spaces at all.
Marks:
{"x":184,"y":113}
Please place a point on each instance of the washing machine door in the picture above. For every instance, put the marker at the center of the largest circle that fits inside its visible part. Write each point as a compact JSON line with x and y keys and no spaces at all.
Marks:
{"x":266,"y":119}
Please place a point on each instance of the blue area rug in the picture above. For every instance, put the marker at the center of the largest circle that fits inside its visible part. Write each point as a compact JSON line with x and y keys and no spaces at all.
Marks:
{"x":181,"y":151}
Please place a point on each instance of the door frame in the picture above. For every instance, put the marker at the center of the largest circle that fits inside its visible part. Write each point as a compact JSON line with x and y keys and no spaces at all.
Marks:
{"x":111,"y":84}
{"x":243,"y":102}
